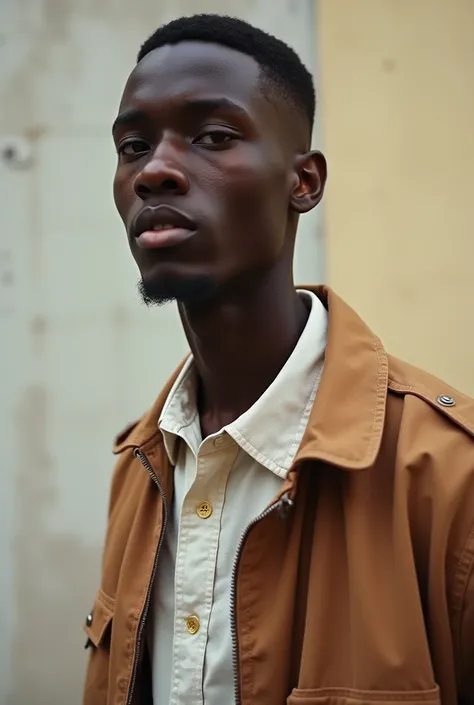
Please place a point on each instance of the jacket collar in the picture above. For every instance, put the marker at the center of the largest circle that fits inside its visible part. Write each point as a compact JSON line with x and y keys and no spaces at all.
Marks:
{"x":346,"y":423}
{"x":347,"y":420}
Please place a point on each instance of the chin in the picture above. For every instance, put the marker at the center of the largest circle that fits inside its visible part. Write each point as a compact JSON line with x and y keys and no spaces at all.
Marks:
{"x":196,"y":289}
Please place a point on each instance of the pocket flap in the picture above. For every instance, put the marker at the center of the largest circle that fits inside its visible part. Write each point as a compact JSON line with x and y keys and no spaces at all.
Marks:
{"x":99,"y":620}
{"x":344,"y":696}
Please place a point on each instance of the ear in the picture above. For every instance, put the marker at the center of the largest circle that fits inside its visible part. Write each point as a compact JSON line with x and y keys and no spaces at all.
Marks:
{"x":311,"y":172}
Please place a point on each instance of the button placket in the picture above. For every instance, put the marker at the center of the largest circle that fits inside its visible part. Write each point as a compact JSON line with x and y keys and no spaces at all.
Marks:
{"x":196,"y":558}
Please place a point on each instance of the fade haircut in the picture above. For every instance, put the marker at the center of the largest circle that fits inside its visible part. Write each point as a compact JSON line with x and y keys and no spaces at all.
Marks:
{"x":281,"y":68}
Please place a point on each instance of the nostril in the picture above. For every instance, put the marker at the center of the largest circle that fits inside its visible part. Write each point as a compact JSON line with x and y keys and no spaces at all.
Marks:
{"x":148,"y":183}
{"x":143,"y":190}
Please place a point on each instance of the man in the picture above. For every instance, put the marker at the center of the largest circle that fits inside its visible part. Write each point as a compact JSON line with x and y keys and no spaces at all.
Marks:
{"x":293,"y":520}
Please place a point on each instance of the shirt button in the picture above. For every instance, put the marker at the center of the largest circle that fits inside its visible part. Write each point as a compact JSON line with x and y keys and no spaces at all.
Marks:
{"x":193,"y":624}
{"x":204,"y":510}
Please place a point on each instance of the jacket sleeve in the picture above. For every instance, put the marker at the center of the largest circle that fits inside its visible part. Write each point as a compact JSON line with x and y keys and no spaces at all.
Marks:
{"x":96,"y":686}
{"x":465,"y":636}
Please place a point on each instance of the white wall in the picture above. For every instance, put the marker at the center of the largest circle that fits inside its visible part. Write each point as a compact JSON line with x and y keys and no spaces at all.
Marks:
{"x":79,"y":356}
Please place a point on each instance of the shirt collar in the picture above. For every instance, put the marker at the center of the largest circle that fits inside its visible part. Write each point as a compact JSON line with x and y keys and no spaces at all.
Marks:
{"x":272,"y":429}
{"x":179,"y":418}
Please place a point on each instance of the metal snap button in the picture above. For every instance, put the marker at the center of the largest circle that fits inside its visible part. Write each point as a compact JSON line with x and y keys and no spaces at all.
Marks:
{"x":89,"y":619}
{"x":446,"y":400}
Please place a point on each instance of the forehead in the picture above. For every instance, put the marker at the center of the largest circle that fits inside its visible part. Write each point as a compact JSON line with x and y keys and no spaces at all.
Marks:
{"x":194,"y":68}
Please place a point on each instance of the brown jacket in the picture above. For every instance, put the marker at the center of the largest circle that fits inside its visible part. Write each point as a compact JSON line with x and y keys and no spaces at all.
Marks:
{"x":357,"y":583}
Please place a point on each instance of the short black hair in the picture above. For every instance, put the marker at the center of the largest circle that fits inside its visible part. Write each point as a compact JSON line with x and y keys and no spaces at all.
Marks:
{"x":280,"y":65}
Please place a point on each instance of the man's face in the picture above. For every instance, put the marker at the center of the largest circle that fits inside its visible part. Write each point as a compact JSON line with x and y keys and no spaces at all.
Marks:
{"x":204,"y":172}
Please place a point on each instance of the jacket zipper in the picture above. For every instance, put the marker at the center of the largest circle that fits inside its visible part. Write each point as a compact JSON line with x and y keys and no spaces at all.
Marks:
{"x":145,"y":462}
{"x":282,"y":503}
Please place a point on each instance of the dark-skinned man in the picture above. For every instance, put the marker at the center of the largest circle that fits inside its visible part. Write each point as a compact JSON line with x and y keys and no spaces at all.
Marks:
{"x":293,"y":520}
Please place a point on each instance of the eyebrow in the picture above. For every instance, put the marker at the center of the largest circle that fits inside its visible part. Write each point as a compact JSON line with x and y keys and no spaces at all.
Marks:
{"x":128,"y":117}
{"x":198,"y":105}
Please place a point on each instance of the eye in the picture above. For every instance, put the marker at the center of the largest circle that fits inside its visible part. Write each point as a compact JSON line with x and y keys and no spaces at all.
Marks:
{"x":133,"y":147}
{"x":215,"y":138}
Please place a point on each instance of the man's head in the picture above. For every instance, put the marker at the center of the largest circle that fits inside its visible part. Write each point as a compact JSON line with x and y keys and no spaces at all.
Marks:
{"x":213,"y":138}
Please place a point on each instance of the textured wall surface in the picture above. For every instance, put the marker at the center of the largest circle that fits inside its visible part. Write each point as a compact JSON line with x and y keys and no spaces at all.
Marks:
{"x":79,"y":356}
{"x":397,"y":97}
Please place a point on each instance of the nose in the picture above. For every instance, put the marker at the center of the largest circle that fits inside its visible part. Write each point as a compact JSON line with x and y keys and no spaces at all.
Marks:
{"x":160,"y":174}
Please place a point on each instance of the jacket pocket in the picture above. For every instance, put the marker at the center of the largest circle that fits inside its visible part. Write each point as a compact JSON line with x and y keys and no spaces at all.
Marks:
{"x":348,"y":696}
{"x":98,"y":627}
{"x":99,"y":621}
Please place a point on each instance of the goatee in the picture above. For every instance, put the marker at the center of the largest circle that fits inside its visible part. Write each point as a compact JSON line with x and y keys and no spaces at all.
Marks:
{"x":192,"y":290}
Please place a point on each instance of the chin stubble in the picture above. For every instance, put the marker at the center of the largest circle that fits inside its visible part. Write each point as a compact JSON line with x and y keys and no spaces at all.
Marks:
{"x":192,"y":290}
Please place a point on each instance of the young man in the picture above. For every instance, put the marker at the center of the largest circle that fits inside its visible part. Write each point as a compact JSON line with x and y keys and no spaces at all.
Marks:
{"x":293,"y":520}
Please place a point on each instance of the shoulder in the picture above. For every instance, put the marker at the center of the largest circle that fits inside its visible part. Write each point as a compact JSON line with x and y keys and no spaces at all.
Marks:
{"x":433,"y":438}
{"x":423,"y":394}
{"x":430,"y":431}
{"x":124,"y":434}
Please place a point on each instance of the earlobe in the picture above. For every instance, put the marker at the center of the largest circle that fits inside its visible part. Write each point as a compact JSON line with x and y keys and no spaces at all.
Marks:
{"x":311,"y":174}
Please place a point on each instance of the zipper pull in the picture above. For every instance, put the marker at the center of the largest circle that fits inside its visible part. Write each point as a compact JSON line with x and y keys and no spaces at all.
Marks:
{"x":285,"y":505}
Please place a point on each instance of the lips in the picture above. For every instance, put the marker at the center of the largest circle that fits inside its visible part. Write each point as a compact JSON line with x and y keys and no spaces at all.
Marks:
{"x":161,"y":226}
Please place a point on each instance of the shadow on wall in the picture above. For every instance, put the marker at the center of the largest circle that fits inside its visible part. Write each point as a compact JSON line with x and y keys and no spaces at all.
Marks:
{"x":52,"y":574}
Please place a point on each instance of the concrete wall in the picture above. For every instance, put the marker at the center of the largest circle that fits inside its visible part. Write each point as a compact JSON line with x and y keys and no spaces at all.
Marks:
{"x":79,"y":356}
{"x":397,"y":99}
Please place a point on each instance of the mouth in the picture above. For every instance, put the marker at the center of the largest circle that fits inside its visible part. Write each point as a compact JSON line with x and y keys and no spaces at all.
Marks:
{"x":166,"y":236}
{"x":162,"y":227}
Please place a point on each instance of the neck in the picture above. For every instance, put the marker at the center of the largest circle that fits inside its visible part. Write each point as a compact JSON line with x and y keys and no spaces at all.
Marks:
{"x":240,"y":345}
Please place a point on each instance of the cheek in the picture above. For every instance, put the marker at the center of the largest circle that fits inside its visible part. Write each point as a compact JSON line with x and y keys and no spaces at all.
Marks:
{"x":256,"y":195}
{"x":254,"y":171}
{"x":123,"y":193}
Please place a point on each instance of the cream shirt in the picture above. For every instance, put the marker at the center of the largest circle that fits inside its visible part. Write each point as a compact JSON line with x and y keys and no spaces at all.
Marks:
{"x":221,"y":484}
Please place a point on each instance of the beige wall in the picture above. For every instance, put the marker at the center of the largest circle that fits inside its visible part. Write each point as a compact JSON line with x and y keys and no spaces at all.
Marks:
{"x":397,"y":103}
